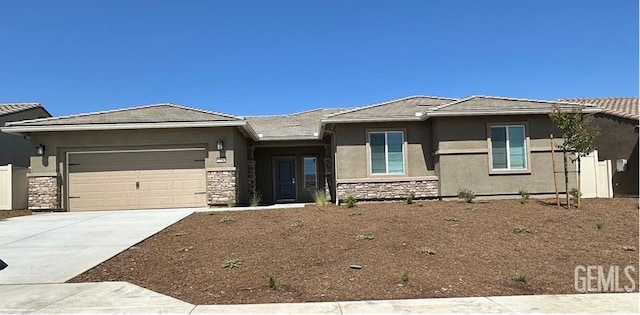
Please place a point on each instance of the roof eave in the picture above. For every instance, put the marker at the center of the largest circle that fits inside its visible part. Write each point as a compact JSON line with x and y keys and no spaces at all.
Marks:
{"x":488,"y":113}
{"x":372,"y":119}
{"x":22,"y":130}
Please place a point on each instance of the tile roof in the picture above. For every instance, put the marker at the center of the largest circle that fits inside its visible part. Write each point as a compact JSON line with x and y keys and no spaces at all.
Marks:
{"x":407,"y":107}
{"x":298,"y":125}
{"x":11,"y":108}
{"x":144,"y":114}
{"x":495,"y":105}
{"x":625,"y":107}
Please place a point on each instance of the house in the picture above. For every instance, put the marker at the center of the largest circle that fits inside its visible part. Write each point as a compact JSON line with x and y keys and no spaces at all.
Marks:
{"x":618,"y":140}
{"x":15,"y":149}
{"x":167,"y":155}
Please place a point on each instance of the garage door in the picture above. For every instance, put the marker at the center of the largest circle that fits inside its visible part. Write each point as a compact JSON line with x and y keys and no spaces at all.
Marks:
{"x":136,"y":179}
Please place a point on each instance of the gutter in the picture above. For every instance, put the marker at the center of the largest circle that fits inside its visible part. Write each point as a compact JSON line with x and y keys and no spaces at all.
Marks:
{"x":486,"y":113}
{"x":17,"y":129}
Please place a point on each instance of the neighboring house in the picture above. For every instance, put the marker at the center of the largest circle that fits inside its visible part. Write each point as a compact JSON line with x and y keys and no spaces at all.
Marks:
{"x":618,"y":140}
{"x":15,"y":149}
{"x":165,"y":155}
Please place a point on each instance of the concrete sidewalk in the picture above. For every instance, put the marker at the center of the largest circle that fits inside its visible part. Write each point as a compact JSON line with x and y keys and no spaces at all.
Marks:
{"x":126,"y":298}
{"x":55,"y":247}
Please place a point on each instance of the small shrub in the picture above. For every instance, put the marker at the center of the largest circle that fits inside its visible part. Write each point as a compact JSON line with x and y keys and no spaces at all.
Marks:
{"x":428,"y":251}
{"x":226,"y":219}
{"x":410,"y":197}
{"x":211,"y":213}
{"x":452,"y":219}
{"x":320,"y":197}
{"x":574,"y":195}
{"x":232,"y":263}
{"x":256,"y":198}
{"x":471,"y":208}
{"x":521,"y":278}
{"x":365,"y":236}
{"x":299,"y":223}
{"x":405,"y":276}
{"x":231,"y":201}
{"x":599,"y":226}
{"x":521,"y":229}
{"x":524,"y":196}
{"x":350,"y":202}
{"x":355,"y":213}
{"x":467,"y":195}
{"x":271,"y":282}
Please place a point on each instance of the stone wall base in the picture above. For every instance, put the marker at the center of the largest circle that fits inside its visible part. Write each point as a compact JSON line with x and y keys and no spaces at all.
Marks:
{"x":388,"y":190}
{"x":222,"y":187}
{"x":44,"y":192}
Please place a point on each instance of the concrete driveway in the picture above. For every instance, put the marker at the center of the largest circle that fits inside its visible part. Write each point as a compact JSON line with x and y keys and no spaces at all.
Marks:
{"x":55,"y":247}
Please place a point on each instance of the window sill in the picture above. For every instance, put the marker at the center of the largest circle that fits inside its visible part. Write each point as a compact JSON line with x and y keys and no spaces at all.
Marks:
{"x":509,"y":172}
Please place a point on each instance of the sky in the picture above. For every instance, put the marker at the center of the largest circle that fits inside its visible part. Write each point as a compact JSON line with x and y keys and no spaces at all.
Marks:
{"x":270,"y":57}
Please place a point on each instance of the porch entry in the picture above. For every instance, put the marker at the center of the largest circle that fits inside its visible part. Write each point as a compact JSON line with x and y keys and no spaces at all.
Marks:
{"x":285,"y":178}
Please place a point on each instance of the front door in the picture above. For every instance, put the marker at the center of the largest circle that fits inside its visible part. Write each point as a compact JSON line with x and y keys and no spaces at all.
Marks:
{"x":285,"y":178}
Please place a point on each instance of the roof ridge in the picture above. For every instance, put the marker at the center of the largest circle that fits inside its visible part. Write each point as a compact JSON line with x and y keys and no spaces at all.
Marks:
{"x":21,"y":103}
{"x":116,"y":111}
{"x":296,"y":113}
{"x":355,"y":109}
{"x":502,"y":98}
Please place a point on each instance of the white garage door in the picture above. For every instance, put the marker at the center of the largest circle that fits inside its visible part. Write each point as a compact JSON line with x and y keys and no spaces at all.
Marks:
{"x":136,"y":179}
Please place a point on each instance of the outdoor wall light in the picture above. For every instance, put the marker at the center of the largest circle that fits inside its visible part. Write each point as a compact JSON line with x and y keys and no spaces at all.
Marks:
{"x":220,"y":145}
{"x":40,"y":149}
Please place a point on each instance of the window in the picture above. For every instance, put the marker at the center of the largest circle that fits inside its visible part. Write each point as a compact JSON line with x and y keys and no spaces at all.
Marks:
{"x":508,"y":147}
{"x":386,"y":152}
{"x":310,"y":173}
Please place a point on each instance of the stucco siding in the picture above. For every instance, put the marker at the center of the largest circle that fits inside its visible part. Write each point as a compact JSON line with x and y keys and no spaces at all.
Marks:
{"x":241,"y":163}
{"x":15,"y":149}
{"x":618,"y":139}
{"x":463,"y":156}
{"x":58,"y":144}
{"x":352,"y":153}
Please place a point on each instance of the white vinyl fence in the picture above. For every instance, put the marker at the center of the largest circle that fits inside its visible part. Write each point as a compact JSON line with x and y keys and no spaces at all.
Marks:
{"x":595,"y":177}
{"x":13,"y":187}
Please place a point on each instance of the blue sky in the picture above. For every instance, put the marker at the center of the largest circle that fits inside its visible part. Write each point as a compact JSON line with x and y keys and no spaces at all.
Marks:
{"x":267,"y":57}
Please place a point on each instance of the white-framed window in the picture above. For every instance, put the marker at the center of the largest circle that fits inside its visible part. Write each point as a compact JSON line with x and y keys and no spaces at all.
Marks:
{"x":386,"y":152}
{"x":508,"y":147}
{"x":310,"y":164}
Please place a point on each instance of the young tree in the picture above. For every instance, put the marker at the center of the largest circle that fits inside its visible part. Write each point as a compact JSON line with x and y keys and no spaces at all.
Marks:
{"x":577,"y":135}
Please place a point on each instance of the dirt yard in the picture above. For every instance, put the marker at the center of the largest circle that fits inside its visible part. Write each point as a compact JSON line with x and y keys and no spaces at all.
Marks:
{"x":4,"y":214}
{"x":430,"y":249}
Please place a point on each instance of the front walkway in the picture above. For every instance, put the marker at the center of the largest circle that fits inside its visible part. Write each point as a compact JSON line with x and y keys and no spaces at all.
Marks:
{"x":126,"y":298}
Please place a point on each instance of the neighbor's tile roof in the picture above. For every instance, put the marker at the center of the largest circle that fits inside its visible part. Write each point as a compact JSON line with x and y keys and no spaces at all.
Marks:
{"x":143,"y":114}
{"x":11,"y":108}
{"x":625,"y":107}
{"x":401,"y":108}
{"x":298,"y":125}
{"x":495,"y":105}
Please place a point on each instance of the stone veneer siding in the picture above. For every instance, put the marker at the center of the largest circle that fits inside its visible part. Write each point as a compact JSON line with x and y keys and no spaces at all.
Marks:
{"x":221,"y":186}
{"x":44,"y":193}
{"x":388,"y":190}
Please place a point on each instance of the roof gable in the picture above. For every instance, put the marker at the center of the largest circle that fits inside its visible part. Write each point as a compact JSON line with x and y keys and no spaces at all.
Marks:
{"x":11,"y":108}
{"x":625,"y":107}
{"x":158,"y":113}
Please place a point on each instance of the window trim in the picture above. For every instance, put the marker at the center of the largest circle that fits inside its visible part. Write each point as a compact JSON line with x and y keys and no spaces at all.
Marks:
{"x":304,"y":180}
{"x":403,"y":131}
{"x":527,"y":154}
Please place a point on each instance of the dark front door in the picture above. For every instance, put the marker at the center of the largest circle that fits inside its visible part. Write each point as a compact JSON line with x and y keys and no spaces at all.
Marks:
{"x":285,"y":178}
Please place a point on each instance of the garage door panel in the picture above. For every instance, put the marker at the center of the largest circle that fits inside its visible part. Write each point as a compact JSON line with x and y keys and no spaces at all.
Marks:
{"x":103,"y":181}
